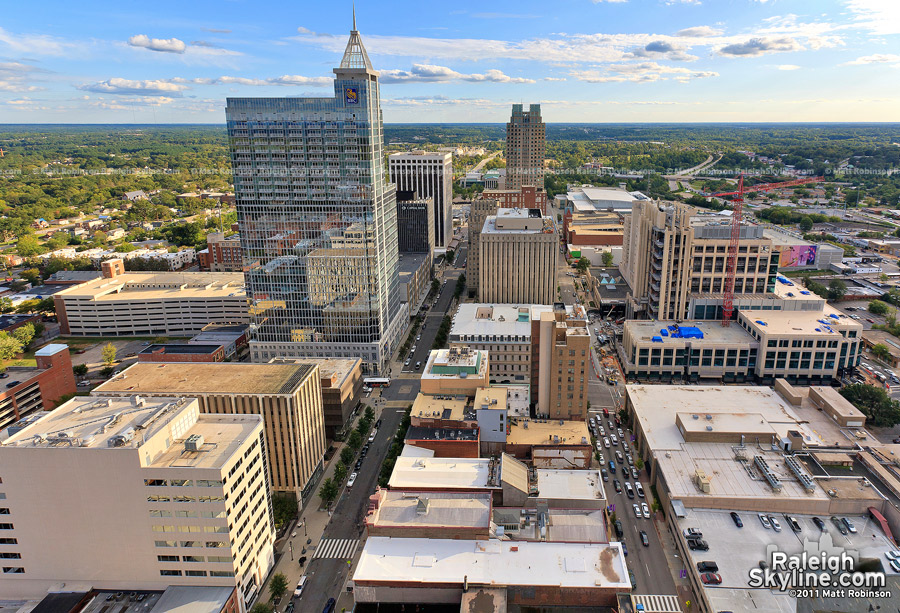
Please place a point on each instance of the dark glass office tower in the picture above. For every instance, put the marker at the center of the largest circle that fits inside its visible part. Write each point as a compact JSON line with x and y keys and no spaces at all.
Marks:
{"x":318,"y":220}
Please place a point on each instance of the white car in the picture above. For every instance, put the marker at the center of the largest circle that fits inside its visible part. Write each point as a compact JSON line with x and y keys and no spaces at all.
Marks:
{"x":614,"y":439}
{"x":765,"y":521}
{"x":599,"y":446}
{"x":775,"y":525}
{"x":351,"y":480}
{"x":606,"y":442}
{"x":602,"y":431}
{"x":645,"y":510}
{"x":637,"y":510}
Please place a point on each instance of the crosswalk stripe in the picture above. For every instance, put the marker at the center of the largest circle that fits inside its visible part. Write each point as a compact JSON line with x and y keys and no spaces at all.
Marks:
{"x":336,"y":548}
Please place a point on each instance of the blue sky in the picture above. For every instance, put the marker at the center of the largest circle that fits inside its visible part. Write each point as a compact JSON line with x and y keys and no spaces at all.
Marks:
{"x":583,"y":60}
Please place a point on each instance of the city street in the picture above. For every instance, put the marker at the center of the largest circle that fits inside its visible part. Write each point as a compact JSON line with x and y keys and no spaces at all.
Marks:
{"x":331,"y":555}
{"x":649,"y":564}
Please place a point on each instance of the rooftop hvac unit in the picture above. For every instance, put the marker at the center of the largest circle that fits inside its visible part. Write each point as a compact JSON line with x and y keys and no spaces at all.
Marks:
{"x":802,"y":475}
{"x":194,"y":442}
{"x":770,"y":476}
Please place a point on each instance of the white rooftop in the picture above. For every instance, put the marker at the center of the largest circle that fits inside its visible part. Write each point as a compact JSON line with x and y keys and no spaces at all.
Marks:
{"x":570,"y":484}
{"x":493,"y":562}
{"x":490,"y":320}
{"x":445,"y":473}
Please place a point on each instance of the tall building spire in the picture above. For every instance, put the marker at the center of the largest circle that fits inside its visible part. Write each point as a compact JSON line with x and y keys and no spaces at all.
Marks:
{"x":355,"y":56}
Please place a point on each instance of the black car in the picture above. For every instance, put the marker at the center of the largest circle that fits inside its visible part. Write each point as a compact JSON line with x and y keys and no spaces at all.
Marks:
{"x":329,"y":606}
{"x":698,"y":545}
{"x":819,"y":523}
{"x":792,"y":523}
{"x":737,"y":520}
{"x":644,"y":540}
{"x":378,"y":424}
{"x":12,"y":384}
{"x":617,"y":485}
{"x":604,"y":474}
{"x":707,"y":567}
{"x":620,"y":531}
{"x":359,"y":464}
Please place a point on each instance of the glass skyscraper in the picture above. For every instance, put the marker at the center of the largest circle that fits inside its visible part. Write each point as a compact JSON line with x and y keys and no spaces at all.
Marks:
{"x":318,"y":220}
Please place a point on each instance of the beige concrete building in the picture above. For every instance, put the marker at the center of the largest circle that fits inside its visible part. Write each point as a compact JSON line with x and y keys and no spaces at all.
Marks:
{"x":561,"y":363}
{"x":455,"y":371}
{"x":479,"y":211}
{"x":805,"y":347}
{"x":148,"y":304}
{"x":504,"y":331}
{"x":671,"y":257}
{"x":519,"y":251}
{"x":150,"y":492}
{"x":288,"y":396}
{"x":525,"y":147}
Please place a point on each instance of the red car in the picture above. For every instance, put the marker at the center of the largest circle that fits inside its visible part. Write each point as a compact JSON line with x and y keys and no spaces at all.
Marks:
{"x":710,"y":578}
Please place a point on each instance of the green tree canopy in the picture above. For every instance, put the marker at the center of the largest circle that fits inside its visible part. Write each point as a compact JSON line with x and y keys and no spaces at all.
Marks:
{"x":109,"y":354}
{"x":878,"y":307}
{"x":881,"y":351}
{"x":278,"y":585}
{"x":880,"y":410}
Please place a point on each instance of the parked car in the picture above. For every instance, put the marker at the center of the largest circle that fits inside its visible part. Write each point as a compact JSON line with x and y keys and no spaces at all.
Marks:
{"x":819,"y":523}
{"x":634,"y":473}
{"x":849,"y":525}
{"x":645,"y":541}
{"x":12,"y":384}
{"x":710,"y":578}
{"x":792,"y":523}
{"x":737,"y":520}
{"x":351,"y":480}
{"x":645,"y":510}
{"x":632,"y":579}
{"x":358,"y":464}
{"x":637,"y":510}
{"x":606,"y":442}
{"x":298,"y":591}
{"x":698,"y":545}
{"x":692,"y":532}
{"x":617,"y":485}
{"x":839,"y":525}
{"x":775,"y":525}
{"x":765,"y":521}
{"x":639,"y":489}
{"x":707,"y":567}
{"x":604,"y":474}
{"x":629,"y":491}
{"x":329,"y":606}
{"x":620,"y":532}
{"x":895,"y":564}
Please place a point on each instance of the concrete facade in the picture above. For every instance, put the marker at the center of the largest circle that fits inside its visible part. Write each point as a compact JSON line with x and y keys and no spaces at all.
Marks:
{"x":479,"y":211}
{"x":518,"y":251}
{"x":430,"y":175}
{"x":561,"y":363}
{"x":156,"y":494}
{"x":288,"y":396}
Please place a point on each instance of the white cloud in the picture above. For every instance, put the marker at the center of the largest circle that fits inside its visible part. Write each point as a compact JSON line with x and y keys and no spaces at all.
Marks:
{"x":428,"y":73}
{"x":663,"y":48}
{"x":644,"y":72}
{"x":38,"y":44}
{"x":216,"y":30}
{"x":788,"y":67}
{"x":698,"y":32}
{"x":164,"y":45}
{"x":17,"y":77}
{"x":880,"y":16}
{"x":877,"y":58}
{"x":755,"y":47}
{"x":553,"y":79}
{"x":116,"y":85}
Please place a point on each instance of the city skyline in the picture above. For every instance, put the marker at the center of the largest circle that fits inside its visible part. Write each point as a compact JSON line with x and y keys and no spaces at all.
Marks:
{"x":583,"y":61}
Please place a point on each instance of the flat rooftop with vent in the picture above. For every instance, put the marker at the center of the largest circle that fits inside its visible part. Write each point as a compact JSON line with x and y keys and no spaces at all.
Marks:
{"x":204,"y":440}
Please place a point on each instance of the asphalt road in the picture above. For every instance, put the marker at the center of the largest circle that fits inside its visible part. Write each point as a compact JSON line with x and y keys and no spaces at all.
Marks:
{"x":326,"y":576}
{"x":648,"y":563}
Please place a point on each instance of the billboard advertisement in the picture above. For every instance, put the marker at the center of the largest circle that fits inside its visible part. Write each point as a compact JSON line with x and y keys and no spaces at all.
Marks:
{"x":797,"y":255}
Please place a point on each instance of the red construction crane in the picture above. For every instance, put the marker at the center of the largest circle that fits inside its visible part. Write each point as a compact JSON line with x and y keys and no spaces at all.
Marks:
{"x":737,"y":207}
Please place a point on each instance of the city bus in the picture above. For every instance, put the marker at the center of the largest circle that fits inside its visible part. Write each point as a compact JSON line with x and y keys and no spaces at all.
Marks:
{"x":377,"y":382}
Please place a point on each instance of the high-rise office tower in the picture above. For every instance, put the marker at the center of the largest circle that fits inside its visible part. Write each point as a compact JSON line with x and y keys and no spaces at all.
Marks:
{"x":318,"y":220}
{"x":430,"y":175}
{"x":525,"y":144}
{"x":415,"y":223}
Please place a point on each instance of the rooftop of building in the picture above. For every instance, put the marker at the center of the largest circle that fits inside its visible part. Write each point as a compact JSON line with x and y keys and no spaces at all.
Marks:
{"x":329,"y":368}
{"x":426,"y":433}
{"x":159,"y":285}
{"x":180,"y":349}
{"x":222,"y":378}
{"x":127,"y":423}
{"x":222,"y":331}
{"x":492,"y":562}
{"x":439,"y":509}
{"x":69,"y":276}
{"x":518,"y":221}
{"x":560,"y":484}
{"x":808,"y":323}
{"x":455,"y":363}
{"x":885,"y":338}
{"x":409,"y":263}
{"x":442,"y":473}
{"x":588,"y":197}
{"x":736,"y":552}
{"x":442,"y":155}
{"x":490,"y":320}
{"x":99,"y":603}
{"x":657,"y":407}
{"x":547,"y":432}
{"x":193,"y":599}
{"x":451,"y":408}
{"x":668,"y":333}
{"x":564,"y":525}
{"x":491,"y":398}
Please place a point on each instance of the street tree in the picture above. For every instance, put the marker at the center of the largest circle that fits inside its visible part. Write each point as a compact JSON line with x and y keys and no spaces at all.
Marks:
{"x":109,"y":354}
{"x":346,"y":456}
{"x":882,"y":352}
{"x":607,"y":259}
{"x":836,"y":289}
{"x":329,"y":491}
{"x":878,"y":307}
{"x":278,"y":585}
{"x":354,"y":441}
{"x":80,"y":370}
{"x":340,"y":472}
{"x":10,"y":346}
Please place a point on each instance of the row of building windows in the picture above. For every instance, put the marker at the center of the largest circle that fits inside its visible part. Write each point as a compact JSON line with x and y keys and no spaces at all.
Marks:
{"x":196,"y":573}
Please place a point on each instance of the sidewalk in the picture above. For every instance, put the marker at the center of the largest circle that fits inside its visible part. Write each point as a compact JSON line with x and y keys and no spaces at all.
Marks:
{"x":673,"y":559}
